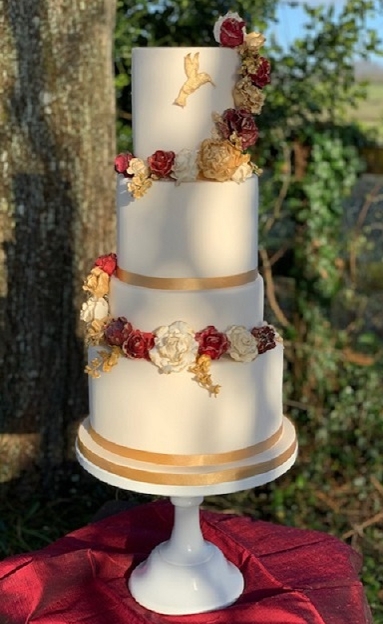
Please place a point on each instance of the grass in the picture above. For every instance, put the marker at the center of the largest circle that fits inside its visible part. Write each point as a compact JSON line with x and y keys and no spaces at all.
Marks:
{"x":369,"y":112}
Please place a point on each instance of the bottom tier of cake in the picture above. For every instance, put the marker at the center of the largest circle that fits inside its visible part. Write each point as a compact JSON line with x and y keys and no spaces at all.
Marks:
{"x":147,"y":414}
{"x":188,"y":480}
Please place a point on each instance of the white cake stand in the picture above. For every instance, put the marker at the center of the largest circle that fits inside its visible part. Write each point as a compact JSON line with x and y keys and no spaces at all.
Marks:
{"x":186,"y":574}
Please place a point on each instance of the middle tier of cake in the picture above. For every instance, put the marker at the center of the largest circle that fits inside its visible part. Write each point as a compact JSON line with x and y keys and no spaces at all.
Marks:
{"x":191,"y":231}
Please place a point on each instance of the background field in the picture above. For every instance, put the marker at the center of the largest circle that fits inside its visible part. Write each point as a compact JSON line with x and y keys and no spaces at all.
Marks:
{"x":369,"y":114}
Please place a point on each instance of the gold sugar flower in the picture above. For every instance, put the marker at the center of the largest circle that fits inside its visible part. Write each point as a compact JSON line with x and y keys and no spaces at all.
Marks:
{"x":254,"y":41}
{"x":97,"y":282}
{"x":139,"y":185}
{"x":219,"y":160}
{"x":247,"y":96}
{"x":250,"y":64}
{"x":95,"y":331}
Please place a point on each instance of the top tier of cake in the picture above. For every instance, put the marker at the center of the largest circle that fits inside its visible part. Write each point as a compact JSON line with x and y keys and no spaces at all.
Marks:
{"x":158,"y":76}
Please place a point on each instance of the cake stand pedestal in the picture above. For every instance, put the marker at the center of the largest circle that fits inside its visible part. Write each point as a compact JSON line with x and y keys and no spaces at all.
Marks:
{"x":186,"y":574}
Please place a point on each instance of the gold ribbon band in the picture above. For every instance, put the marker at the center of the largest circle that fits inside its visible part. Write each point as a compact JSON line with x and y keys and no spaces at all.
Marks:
{"x":221,"y":476}
{"x":186,"y":283}
{"x":212,"y":459}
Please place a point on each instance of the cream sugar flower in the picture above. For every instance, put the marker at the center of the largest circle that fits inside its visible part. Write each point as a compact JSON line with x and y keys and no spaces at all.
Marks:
{"x":185,"y":167}
{"x":138,"y":167}
{"x":94,"y":308}
{"x":175,"y":347}
{"x":141,"y":181}
{"x":243,"y":345}
{"x":243,"y":172}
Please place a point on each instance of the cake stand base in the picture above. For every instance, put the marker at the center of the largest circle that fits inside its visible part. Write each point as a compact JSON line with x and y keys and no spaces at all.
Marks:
{"x":186,"y":574}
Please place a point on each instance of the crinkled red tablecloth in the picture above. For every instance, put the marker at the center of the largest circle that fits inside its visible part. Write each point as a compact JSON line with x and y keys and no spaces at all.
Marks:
{"x":292,"y":576}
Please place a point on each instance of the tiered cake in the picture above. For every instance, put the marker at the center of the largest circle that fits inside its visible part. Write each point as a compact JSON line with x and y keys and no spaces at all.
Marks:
{"x":185,"y":375}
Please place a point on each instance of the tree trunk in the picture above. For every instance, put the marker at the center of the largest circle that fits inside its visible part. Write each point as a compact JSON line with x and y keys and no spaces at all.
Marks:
{"x":57,"y":142}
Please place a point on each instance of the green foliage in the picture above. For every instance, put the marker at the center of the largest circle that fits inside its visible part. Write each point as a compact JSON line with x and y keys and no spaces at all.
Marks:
{"x":315,"y":79}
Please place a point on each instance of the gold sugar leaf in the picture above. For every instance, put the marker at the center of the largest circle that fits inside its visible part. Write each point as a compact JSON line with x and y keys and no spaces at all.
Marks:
{"x":202,"y":376}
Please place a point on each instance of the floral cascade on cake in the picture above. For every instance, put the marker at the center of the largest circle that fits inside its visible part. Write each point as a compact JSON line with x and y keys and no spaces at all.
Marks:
{"x":223,"y":156}
{"x":172,"y":348}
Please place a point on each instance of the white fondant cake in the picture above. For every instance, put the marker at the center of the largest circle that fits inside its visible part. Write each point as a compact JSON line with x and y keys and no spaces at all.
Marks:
{"x":184,"y":372}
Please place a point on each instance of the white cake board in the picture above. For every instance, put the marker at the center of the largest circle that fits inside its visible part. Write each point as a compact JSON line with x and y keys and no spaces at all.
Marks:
{"x":186,"y":574}
{"x":112,"y":468}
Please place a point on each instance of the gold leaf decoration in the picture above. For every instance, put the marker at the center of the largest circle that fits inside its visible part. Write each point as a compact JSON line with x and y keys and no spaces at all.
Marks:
{"x":202,"y":376}
{"x":104,"y":363}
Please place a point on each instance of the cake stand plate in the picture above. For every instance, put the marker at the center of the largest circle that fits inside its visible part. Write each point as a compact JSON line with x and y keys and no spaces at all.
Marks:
{"x":147,"y":478}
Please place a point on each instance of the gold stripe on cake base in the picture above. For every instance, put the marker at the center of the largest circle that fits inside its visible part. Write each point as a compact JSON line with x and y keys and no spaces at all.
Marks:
{"x":186,"y":283}
{"x":211,"y":459}
{"x":210,"y":478}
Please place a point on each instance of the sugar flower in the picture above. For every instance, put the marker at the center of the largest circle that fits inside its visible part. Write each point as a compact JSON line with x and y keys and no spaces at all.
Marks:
{"x":247,"y":95}
{"x":229,"y":30}
{"x":243,"y":345}
{"x":94,"y":308}
{"x":97,"y":282}
{"x":175,"y":347}
{"x":243,"y":172}
{"x":219,"y":160}
{"x":107,"y":262}
{"x":185,"y":167}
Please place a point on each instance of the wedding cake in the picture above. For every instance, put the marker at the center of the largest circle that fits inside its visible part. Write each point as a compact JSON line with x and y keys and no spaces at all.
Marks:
{"x":185,"y":376}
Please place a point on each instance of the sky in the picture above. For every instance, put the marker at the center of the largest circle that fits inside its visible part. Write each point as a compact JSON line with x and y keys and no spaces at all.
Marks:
{"x":291,"y":21}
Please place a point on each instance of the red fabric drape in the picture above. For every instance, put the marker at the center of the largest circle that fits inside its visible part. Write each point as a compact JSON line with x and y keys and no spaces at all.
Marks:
{"x":292,"y":576}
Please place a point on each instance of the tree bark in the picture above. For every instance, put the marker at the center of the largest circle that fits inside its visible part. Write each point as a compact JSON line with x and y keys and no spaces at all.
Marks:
{"x":57,"y":142}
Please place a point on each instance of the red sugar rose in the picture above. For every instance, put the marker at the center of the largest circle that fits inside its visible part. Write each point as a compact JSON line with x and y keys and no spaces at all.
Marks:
{"x":262,"y":76}
{"x":138,"y":344}
{"x":242,"y":123}
{"x":121,"y":163}
{"x":265,"y":337}
{"x":212,"y":342}
{"x":107,"y":263}
{"x":161,"y":163}
{"x":117,"y":331}
{"x":231,"y":34}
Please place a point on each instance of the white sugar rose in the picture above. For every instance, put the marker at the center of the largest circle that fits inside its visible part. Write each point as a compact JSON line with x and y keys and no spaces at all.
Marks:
{"x":185,"y":167}
{"x":94,"y":308}
{"x":243,"y":345}
{"x":243,"y":172}
{"x":175,"y":347}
